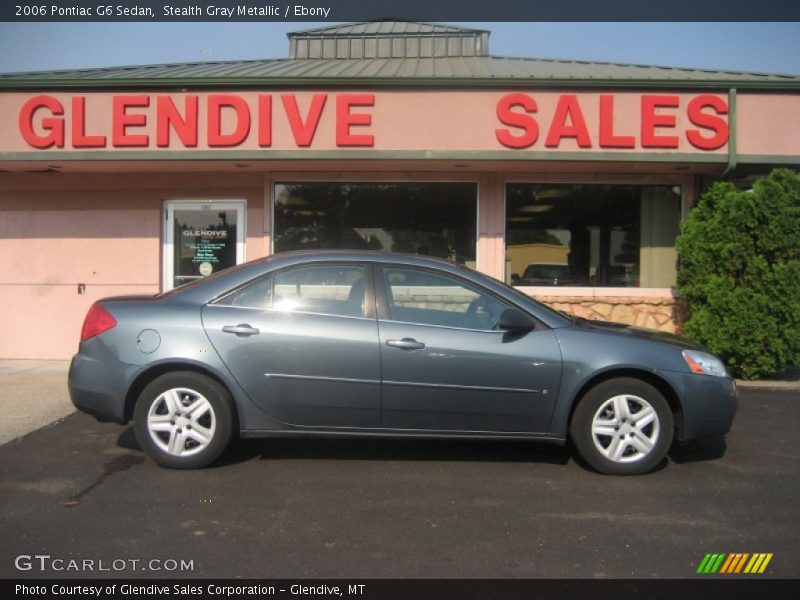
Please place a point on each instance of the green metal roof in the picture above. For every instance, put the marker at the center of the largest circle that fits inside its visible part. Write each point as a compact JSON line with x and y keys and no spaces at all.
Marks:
{"x":436,"y":71}
{"x":395,"y":53}
{"x":388,"y":39}
{"x":385,"y":28}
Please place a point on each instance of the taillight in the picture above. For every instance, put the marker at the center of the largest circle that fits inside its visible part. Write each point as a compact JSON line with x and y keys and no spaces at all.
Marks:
{"x":98,"y":320}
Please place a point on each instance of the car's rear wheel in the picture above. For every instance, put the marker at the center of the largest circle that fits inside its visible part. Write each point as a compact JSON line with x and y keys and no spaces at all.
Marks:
{"x":622,"y":426}
{"x":184,"y":420}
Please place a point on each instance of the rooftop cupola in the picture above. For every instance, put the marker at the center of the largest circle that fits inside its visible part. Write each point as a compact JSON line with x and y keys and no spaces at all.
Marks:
{"x":388,"y":39}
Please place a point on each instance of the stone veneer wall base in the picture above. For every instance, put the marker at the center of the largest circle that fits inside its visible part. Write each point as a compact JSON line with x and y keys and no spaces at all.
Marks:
{"x":663,"y":314}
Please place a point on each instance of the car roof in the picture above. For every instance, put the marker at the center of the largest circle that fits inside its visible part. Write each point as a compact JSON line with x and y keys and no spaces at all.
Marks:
{"x":364,"y":255}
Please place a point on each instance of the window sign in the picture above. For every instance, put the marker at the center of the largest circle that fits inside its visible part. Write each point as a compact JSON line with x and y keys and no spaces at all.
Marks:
{"x":202,"y":238}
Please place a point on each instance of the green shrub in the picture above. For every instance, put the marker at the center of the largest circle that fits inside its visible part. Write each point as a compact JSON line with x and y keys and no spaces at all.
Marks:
{"x":740,"y":274}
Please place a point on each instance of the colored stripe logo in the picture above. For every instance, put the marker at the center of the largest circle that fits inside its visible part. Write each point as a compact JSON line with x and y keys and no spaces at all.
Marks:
{"x":734,"y":563}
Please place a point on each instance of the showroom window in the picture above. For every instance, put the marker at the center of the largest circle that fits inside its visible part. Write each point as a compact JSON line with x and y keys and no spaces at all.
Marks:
{"x":430,"y":218}
{"x":591,"y":235}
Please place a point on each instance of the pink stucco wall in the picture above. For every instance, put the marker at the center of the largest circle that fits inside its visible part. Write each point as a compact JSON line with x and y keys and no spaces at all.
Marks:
{"x":768,"y":124}
{"x":102,"y":224}
{"x":103,"y":231}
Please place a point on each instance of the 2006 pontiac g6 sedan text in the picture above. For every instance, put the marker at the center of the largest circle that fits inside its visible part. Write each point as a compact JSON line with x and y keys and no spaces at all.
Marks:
{"x":368,"y":343}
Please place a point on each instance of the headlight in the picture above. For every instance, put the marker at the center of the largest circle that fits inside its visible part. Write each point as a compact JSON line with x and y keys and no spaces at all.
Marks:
{"x":704,"y":363}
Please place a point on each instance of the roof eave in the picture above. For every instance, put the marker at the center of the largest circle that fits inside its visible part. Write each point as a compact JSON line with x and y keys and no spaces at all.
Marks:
{"x":12,"y":83}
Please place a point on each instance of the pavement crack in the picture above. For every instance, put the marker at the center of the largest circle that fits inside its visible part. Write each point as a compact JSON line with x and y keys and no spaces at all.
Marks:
{"x":120,"y":463}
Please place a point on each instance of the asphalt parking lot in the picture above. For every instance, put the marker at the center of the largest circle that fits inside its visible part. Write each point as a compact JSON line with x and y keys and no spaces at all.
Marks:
{"x":79,"y":489}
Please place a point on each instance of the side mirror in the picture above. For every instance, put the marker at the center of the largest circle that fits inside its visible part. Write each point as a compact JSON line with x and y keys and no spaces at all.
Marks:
{"x":516,"y":321}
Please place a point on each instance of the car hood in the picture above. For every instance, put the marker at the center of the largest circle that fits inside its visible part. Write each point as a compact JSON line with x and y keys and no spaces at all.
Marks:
{"x":637,"y":332}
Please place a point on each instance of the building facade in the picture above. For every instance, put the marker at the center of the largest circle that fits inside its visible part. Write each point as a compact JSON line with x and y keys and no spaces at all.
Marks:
{"x":566,"y":179}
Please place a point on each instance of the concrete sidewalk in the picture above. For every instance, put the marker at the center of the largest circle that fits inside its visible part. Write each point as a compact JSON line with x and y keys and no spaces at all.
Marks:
{"x":790,"y":380}
{"x":33,"y":393}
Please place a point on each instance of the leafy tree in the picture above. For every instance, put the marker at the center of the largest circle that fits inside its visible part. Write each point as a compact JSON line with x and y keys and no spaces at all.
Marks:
{"x":740,"y":273}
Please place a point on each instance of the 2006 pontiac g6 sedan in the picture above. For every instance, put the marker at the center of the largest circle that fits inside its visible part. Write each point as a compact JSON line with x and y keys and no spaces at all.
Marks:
{"x":368,"y":343}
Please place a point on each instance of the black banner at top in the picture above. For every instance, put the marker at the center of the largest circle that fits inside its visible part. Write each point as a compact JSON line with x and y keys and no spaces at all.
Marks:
{"x":335,"y":11}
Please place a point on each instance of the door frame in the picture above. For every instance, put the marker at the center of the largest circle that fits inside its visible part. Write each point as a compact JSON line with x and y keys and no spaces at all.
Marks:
{"x":168,"y":232}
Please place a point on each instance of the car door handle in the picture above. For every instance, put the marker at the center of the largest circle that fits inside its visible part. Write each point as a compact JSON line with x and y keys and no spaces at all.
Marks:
{"x":406,"y":344}
{"x":242,"y":329}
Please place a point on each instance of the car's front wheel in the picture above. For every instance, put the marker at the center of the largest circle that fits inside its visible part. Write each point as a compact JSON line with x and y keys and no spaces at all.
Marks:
{"x":622,"y":426}
{"x":184,"y":420}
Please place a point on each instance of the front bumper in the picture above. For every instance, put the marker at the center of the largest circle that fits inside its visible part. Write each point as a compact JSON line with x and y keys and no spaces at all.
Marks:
{"x":98,"y":381}
{"x":708,"y":404}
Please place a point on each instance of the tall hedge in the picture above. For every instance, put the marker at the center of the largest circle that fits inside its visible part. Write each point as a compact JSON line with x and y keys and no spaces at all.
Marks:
{"x":740,"y":273}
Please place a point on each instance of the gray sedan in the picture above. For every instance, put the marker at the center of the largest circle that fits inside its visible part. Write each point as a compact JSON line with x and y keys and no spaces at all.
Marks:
{"x":376,"y":344}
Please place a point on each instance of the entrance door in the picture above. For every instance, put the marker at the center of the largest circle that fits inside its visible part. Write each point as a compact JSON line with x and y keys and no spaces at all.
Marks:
{"x":201,"y":238}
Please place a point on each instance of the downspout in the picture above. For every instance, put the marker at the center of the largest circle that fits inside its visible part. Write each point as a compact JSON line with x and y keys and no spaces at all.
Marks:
{"x":731,"y":133}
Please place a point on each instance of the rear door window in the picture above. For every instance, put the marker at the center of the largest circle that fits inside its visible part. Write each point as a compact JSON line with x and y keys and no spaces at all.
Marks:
{"x":320,"y":289}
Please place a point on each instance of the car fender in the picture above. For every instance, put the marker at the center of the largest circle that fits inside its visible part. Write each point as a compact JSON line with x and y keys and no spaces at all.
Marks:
{"x":594,"y":357}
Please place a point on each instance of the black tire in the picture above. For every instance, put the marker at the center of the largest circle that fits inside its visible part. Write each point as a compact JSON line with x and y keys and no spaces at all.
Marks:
{"x":628,"y":437}
{"x":189,"y":387}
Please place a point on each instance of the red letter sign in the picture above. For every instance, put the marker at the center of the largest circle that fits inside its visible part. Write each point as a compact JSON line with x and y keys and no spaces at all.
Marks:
{"x":167,"y":116}
{"x":530,"y":129}
{"x":79,"y":137}
{"x":651,"y":120}
{"x":345,"y":119}
{"x":303,"y":132}
{"x":121,"y":120}
{"x":716,"y":124}
{"x":265,"y":121}
{"x":216,"y":103}
{"x":55,"y":127}
{"x":568,"y":107}
{"x":607,"y":137}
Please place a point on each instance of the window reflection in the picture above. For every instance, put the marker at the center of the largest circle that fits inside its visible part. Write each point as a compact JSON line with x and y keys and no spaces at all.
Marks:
{"x":591,"y":235}
{"x":435,"y":219}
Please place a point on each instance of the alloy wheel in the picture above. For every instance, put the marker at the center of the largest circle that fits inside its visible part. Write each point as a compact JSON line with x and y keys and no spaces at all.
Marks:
{"x":181,"y":422}
{"x":625,"y":428}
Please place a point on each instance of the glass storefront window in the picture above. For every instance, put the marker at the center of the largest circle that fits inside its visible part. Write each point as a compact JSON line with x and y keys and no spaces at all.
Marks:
{"x":591,"y":235}
{"x":435,"y":218}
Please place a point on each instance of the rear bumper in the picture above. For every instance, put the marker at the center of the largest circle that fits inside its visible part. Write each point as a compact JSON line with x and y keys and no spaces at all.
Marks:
{"x":97,"y":382}
{"x":709,"y":404}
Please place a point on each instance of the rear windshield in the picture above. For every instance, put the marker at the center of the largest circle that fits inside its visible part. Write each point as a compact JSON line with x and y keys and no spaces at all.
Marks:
{"x":192,"y":284}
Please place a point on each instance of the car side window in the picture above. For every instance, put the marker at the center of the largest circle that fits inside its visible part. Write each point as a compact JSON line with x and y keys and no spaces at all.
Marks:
{"x":324,"y":289}
{"x":417,"y":296}
{"x":253,"y":295}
